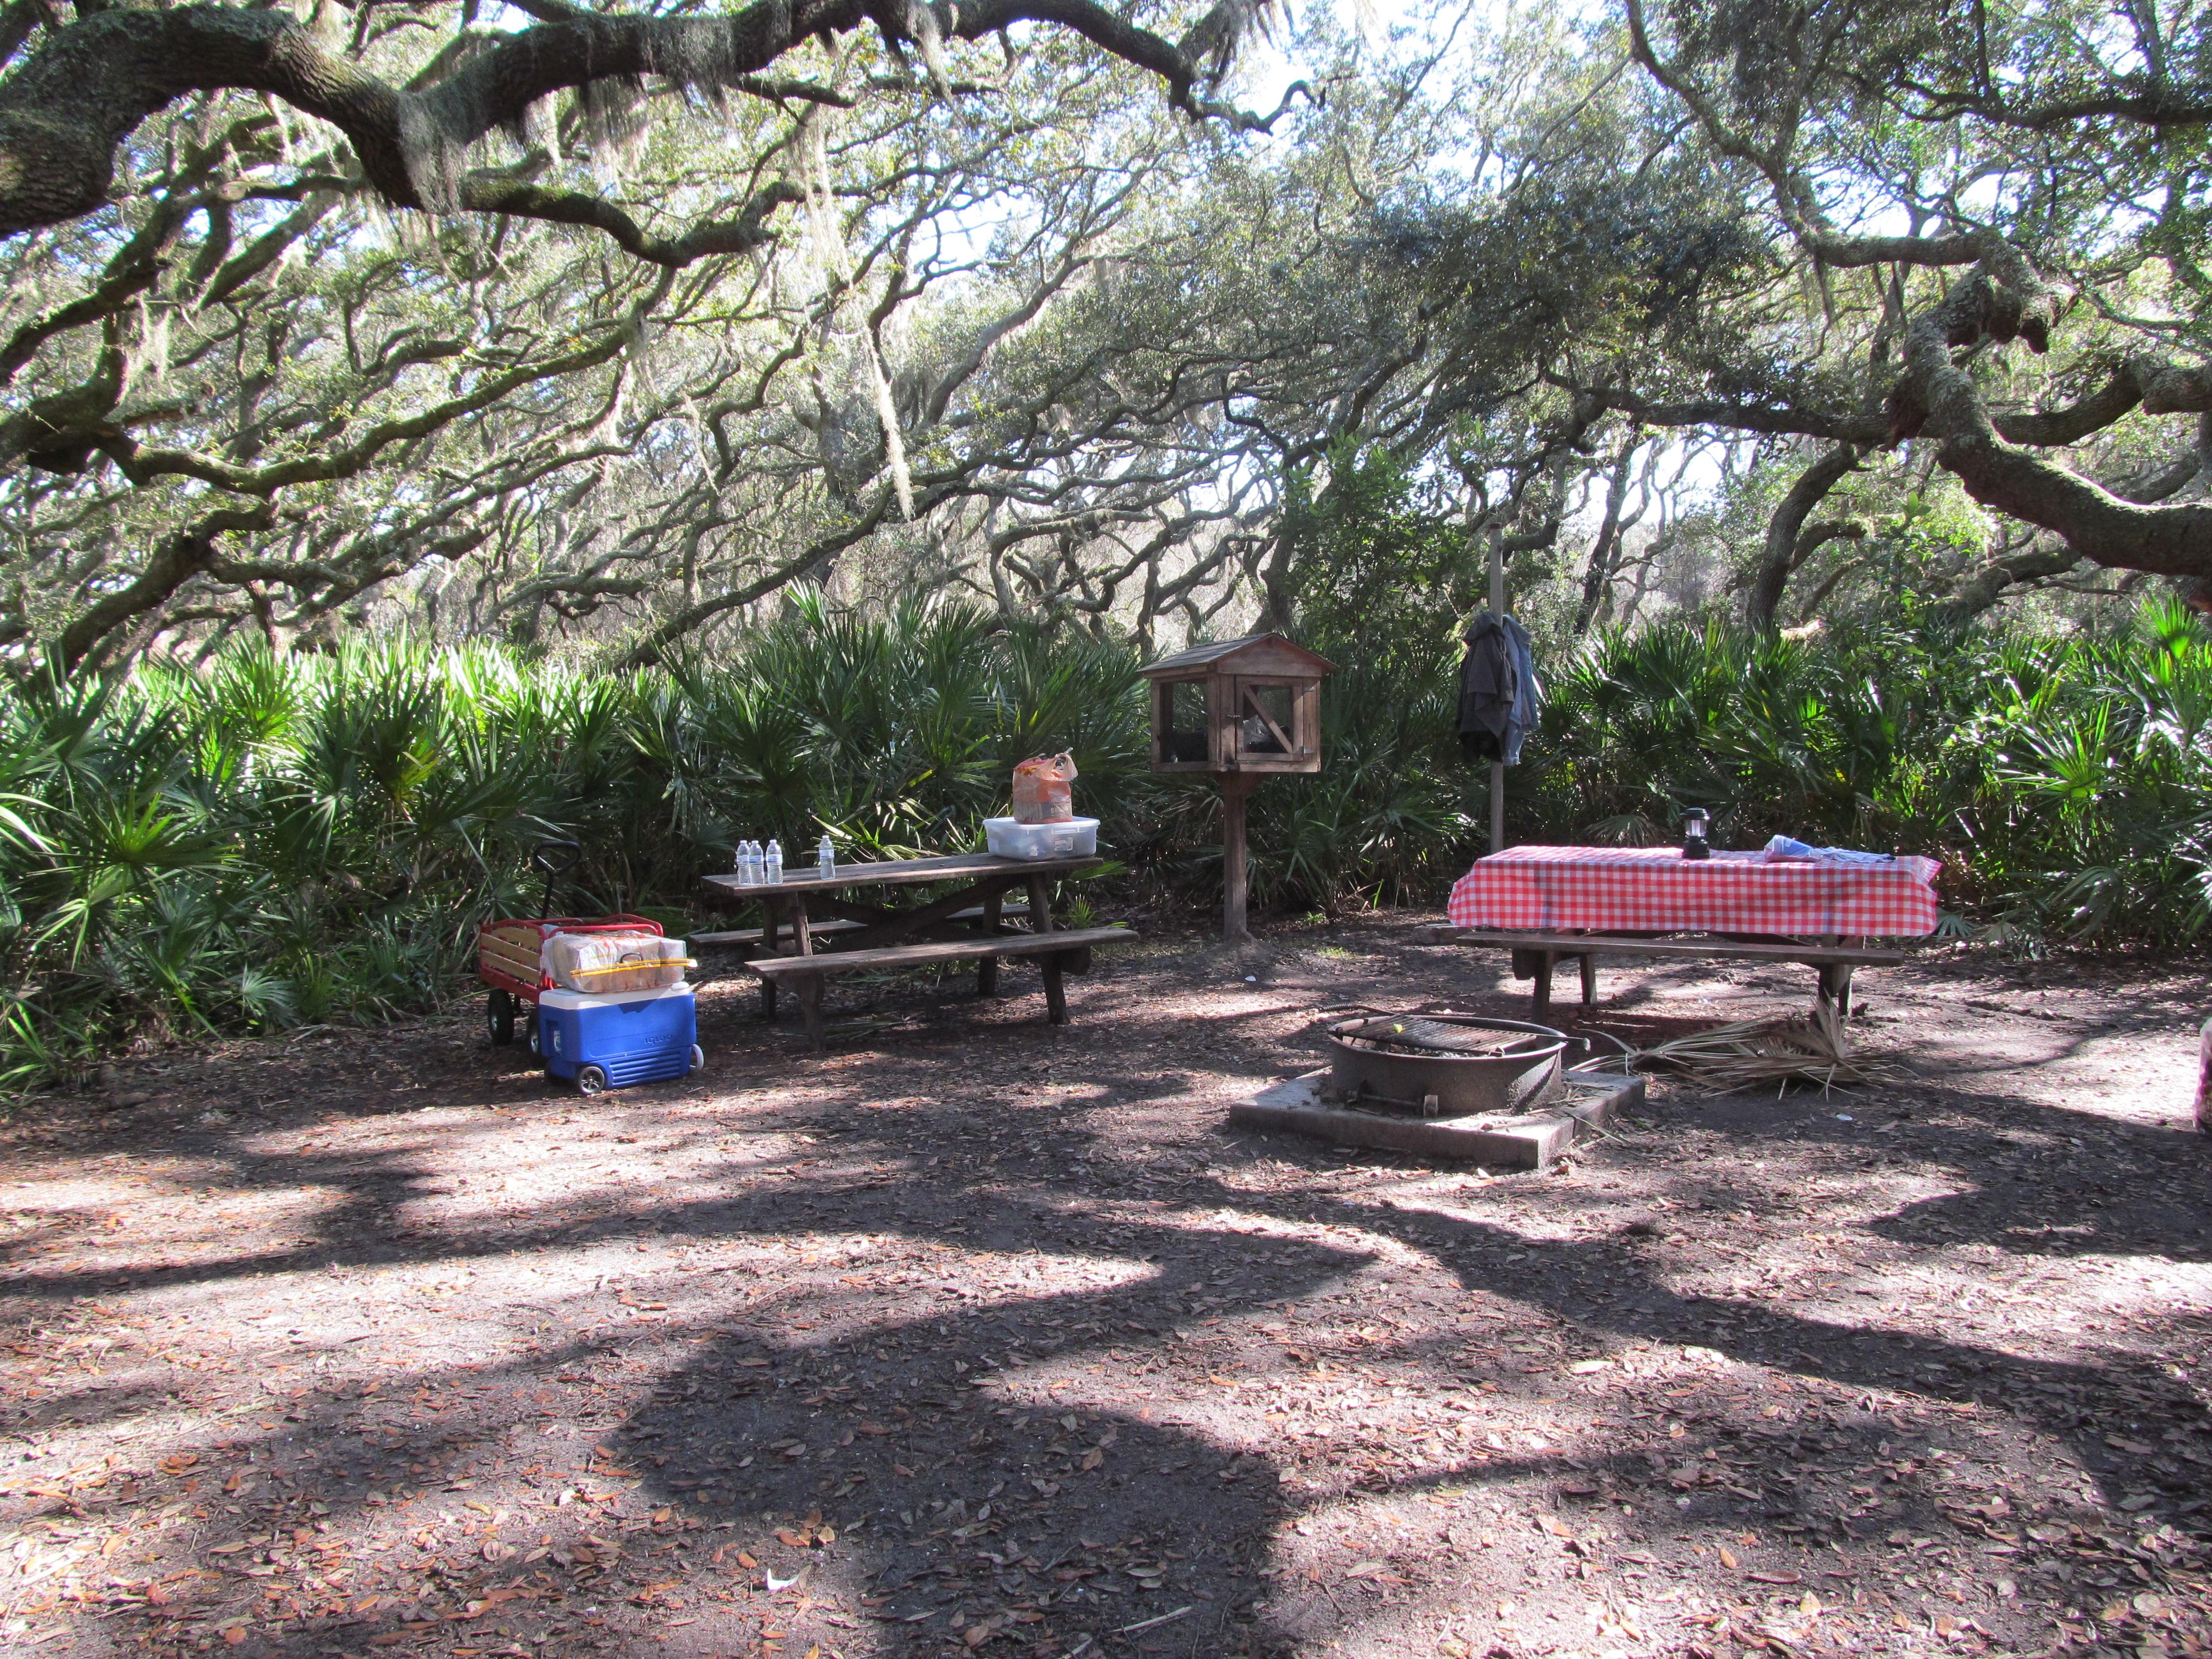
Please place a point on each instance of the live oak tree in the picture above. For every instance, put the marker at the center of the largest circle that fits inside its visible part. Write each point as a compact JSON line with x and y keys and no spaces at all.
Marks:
{"x":607,"y":310}
{"x":1960,"y":190}
{"x":613,"y":326}
{"x":1861,"y":240}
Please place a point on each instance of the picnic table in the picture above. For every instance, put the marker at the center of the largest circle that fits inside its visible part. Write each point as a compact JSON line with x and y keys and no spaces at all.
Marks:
{"x":814,"y":926}
{"x":1549,"y":904}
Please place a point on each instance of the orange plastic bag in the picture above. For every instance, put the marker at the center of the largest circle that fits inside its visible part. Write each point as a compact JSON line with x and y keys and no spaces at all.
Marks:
{"x":1042,"y":794}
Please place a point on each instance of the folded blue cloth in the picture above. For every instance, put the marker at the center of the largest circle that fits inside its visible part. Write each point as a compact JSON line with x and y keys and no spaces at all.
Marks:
{"x":1786,"y":849}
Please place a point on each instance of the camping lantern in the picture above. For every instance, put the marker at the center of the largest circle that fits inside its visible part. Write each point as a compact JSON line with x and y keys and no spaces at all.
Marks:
{"x":1238,"y":710}
{"x":1695,"y":844}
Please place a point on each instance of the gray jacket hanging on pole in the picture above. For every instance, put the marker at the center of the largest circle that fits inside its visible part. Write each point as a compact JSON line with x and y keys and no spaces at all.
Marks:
{"x":1498,"y":696}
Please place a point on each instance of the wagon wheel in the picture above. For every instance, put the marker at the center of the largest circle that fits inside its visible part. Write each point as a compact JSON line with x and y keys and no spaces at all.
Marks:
{"x":499,"y":1018}
{"x":534,"y":1039}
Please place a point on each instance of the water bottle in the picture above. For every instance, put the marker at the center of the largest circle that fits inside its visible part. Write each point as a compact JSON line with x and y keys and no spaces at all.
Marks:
{"x":748,"y":863}
{"x":772,"y":869}
{"x":825,"y":859}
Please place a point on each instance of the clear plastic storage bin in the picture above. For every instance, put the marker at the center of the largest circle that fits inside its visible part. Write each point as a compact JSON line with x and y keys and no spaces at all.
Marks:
{"x":1010,"y":838}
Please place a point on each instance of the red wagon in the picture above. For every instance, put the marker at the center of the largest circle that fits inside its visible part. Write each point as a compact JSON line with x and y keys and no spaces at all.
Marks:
{"x":510,"y":952}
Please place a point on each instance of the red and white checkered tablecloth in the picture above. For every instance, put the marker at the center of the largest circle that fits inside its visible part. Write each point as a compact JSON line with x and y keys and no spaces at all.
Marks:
{"x":1655,"y":889}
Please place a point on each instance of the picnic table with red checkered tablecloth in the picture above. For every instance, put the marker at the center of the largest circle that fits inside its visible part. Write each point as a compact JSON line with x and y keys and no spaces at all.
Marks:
{"x":1656,"y":890}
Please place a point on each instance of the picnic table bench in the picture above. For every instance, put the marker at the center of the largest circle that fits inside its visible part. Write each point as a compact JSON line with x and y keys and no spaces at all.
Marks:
{"x":857,"y":936}
{"x":744,"y":938}
{"x":1549,"y":904}
{"x":1534,"y":956}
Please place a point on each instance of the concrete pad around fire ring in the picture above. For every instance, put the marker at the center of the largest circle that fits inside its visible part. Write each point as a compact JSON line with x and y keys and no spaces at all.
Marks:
{"x":1586,"y":1104}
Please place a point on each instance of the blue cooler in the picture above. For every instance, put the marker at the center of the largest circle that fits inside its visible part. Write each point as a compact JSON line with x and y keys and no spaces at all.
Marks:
{"x":611,"y":1041}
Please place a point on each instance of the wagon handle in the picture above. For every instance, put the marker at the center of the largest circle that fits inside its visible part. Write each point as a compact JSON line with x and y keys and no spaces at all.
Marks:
{"x":554,"y":858}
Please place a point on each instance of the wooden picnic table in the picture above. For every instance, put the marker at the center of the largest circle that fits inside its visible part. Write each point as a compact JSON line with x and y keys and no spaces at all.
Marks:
{"x":1549,"y":904}
{"x":793,"y":944}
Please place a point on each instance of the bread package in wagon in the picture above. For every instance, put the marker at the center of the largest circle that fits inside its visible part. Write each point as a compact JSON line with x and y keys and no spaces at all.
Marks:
{"x":625,"y":961}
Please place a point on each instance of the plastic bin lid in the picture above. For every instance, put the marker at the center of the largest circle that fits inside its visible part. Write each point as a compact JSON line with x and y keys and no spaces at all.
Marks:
{"x":603,"y":998}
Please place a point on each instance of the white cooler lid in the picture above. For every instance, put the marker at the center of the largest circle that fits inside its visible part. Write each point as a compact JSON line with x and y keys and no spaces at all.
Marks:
{"x":601,"y":999}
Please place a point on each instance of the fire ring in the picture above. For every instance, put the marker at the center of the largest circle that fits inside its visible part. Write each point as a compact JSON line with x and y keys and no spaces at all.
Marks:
{"x":1443,"y":1065}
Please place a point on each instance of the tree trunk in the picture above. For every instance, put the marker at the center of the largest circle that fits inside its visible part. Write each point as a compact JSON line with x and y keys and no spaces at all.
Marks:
{"x":1275,"y":597}
{"x":1598,"y":577}
{"x":1780,"y":557}
{"x":1834,"y":580}
{"x":70,"y":106}
{"x":1937,"y":396}
{"x":175,"y":562}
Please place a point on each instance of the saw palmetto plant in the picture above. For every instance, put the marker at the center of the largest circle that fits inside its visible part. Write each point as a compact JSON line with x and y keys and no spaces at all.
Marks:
{"x":274,"y":841}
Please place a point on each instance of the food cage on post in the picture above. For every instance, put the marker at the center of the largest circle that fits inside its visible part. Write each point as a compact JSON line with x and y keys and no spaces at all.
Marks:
{"x":1240,"y":711}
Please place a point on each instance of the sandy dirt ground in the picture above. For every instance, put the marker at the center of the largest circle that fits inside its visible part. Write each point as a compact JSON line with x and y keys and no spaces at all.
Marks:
{"x":978,"y":1335}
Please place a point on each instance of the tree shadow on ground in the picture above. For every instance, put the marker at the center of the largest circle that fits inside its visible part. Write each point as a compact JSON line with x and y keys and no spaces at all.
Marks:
{"x":1055,"y":1462}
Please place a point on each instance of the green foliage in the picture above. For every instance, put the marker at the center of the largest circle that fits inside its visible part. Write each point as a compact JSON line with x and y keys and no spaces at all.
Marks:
{"x":2062,"y":778}
{"x":310,"y":839}
{"x":296,"y":840}
{"x":1391,"y":815}
{"x":1375,"y":568}
{"x":2063,"y":781}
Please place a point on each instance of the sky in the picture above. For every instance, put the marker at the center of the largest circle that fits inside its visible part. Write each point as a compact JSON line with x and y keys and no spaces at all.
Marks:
{"x":1269,"y":66}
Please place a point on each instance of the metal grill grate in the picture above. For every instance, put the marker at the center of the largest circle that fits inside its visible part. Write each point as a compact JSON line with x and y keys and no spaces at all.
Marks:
{"x":1416,"y":1035}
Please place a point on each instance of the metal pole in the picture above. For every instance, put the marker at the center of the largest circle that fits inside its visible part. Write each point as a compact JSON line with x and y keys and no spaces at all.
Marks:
{"x":1497,"y":768}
